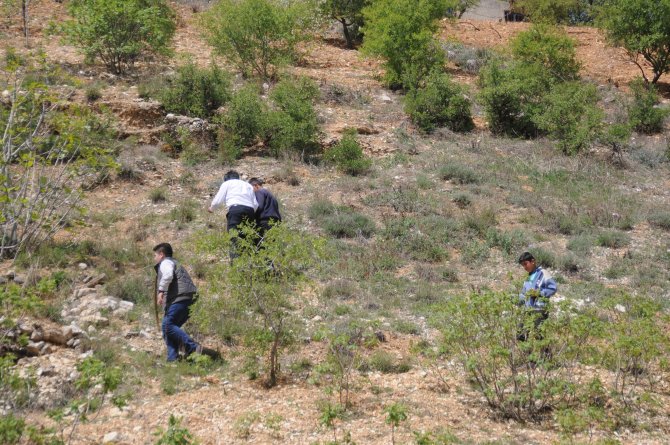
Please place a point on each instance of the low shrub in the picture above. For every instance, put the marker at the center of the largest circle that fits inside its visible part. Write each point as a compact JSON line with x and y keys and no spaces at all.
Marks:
{"x":509,"y":243}
{"x":159,"y":194}
{"x":660,"y":219}
{"x":644,"y":112}
{"x":196,"y":92}
{"x":544,"y":257}
{"x":348,"y":224}
{"x":93,"y":92}
{"x":386,"y":363}
{"x":439,"y":102}
{"x":462,"y":200}
{"x":348,"y":156}
{"x":460,"y":174}
{"x":175,"y":434}
{"x":470,"y":60}
{"x":184,"y":213}
{"x":613,"y":239}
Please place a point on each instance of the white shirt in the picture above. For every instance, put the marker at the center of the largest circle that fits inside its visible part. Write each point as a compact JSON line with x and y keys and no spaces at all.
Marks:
{"x":235,"y":192}
{"x":167,"y":274}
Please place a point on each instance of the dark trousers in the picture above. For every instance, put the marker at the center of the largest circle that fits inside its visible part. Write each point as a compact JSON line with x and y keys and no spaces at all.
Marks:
{"x":175,"y":316}
{"x":238,"y":215}
{"x":263,"y":225}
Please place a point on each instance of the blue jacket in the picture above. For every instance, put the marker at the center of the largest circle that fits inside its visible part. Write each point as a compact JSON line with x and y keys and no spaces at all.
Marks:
{"x":541,"y":281}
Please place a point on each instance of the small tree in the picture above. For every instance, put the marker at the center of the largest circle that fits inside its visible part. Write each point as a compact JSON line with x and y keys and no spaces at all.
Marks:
{"x":395,"y":414}
{"x":257,"y":35}
{"x":119,"y":32}
{"x":402,"y":32}
{"x":258,"y":288}
{"x":349,"y":13}
{"x":642,"y":28}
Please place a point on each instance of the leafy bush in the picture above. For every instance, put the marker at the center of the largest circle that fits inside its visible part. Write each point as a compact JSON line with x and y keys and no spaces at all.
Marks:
{"x":518,"y":379}
{"x":256,"y":35}
{"x":159,"y":194}
{"x":556,"y":11}
{"x":292,"y":125}
{"x":550,"y":48}
{"x":119,"y":32}
{"x":439,"y":103}
{"x":350,"y":14}
{"x":196,"y":92}
{"x":644,"y":114}
{"x":512,"y":95}
{"x":401,"y":32}
{"x":348,"y":156}
{"x":570,"y":116}
{"x":458,"y":173}
{"x":242,"y":124}
{"x":11,"y":429}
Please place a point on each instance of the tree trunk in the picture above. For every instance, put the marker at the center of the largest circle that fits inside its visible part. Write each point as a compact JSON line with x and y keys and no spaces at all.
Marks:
{"x":24,"y":14}
{"x":347,"y":35}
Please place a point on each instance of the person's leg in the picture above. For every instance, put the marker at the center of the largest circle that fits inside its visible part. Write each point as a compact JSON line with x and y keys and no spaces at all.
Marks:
{"x":233,"y":219}
{"x":176,"y":315}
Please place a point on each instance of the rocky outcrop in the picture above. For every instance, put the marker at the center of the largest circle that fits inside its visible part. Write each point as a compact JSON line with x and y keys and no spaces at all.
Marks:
{"x":88,"y":306}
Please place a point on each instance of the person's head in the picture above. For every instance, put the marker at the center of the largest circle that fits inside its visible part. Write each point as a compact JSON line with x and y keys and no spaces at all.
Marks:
{"x":256,"y":183}
{"x":231,"y":174}
{"x":162,"y":251}
{"x":527,"y":261}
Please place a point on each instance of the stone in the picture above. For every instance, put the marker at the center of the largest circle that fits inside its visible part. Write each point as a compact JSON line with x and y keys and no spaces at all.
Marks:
{"x":35,"y":348}
{"x":126,"y":305}
{"x":84,"y":291}
{"x":111,"y":437}
{"x":37,"y":335}
{"x":98,"y":279}
{"x":25,"y":328}
{"x":82,"y":266}
{"x":19,"y":279}
{"x":92,"y":329}
{"x":10,"y":274}
{"x":385,"y":98}
{"x":317,"y":318}
{"x":55,"y":336}
{"x":76,"y":330}
{"x":3,"y":280}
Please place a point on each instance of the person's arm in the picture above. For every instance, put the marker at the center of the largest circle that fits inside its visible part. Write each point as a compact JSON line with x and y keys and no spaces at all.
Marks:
{"x":548,"y":287}
{"x":220,"y":198}
{"x":254,"y":201}
{"x":167,"y":275}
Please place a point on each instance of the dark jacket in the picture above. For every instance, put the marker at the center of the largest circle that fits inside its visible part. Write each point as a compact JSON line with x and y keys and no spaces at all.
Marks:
{"x":268,"y":207}
{"x":181,"y":287}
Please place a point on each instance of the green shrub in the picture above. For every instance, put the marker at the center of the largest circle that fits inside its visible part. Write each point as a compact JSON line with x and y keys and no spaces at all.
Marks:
{"x":243,"y":123}
{"x":613,"y":239}
{"x":175,"y":434}
{"x":660,"y":219}
{"x":385,"y":362}
{"x":196,"y":92}
{"x":518,"y":379}
{"x":644,"y":112}
{"x":257,"y":35}
{"x":11,"y":429}
{"x":159,"y":194}
{"x":462,"y":200}
{"x":349,"y":14}
{"x":93,"y":92}
{"x":321,"y":208}
{"x":134,"y":288}
{"x":555,"y":11}
{"x":550,"y":48}
{"x":439,"y":102}
{"x":544,"y":257}
{"x":512,"y":95}
{"x":458,"y":173}
{"x":348,"y":156}
{"x":292,"y":127}
{"x":401,"y":32}
{"x":421,"y":247}
{"x":509,"y":243}
{"x":348,"y":224}
{"x":570,"y":116}
{"x":119,"y":32}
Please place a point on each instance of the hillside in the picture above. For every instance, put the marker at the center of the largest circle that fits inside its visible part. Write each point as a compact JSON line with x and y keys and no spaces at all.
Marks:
{"x":450,"y":213}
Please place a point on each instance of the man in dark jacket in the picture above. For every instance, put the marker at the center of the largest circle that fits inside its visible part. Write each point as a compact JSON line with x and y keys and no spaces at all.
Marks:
{"x":176,"y":292}
{"x":267,"y":213}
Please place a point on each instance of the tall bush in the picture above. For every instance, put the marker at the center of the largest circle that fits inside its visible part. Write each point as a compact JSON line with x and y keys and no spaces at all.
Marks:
{"x":570,"y":115}
{"x":120,"y":32}
{"x":550,"y":48}
{"x":401,"y":32}
{"x":243,"y":123}
{"x":257,"y":35}
{"x":439,"y":103}
{"x":195,"y":91}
